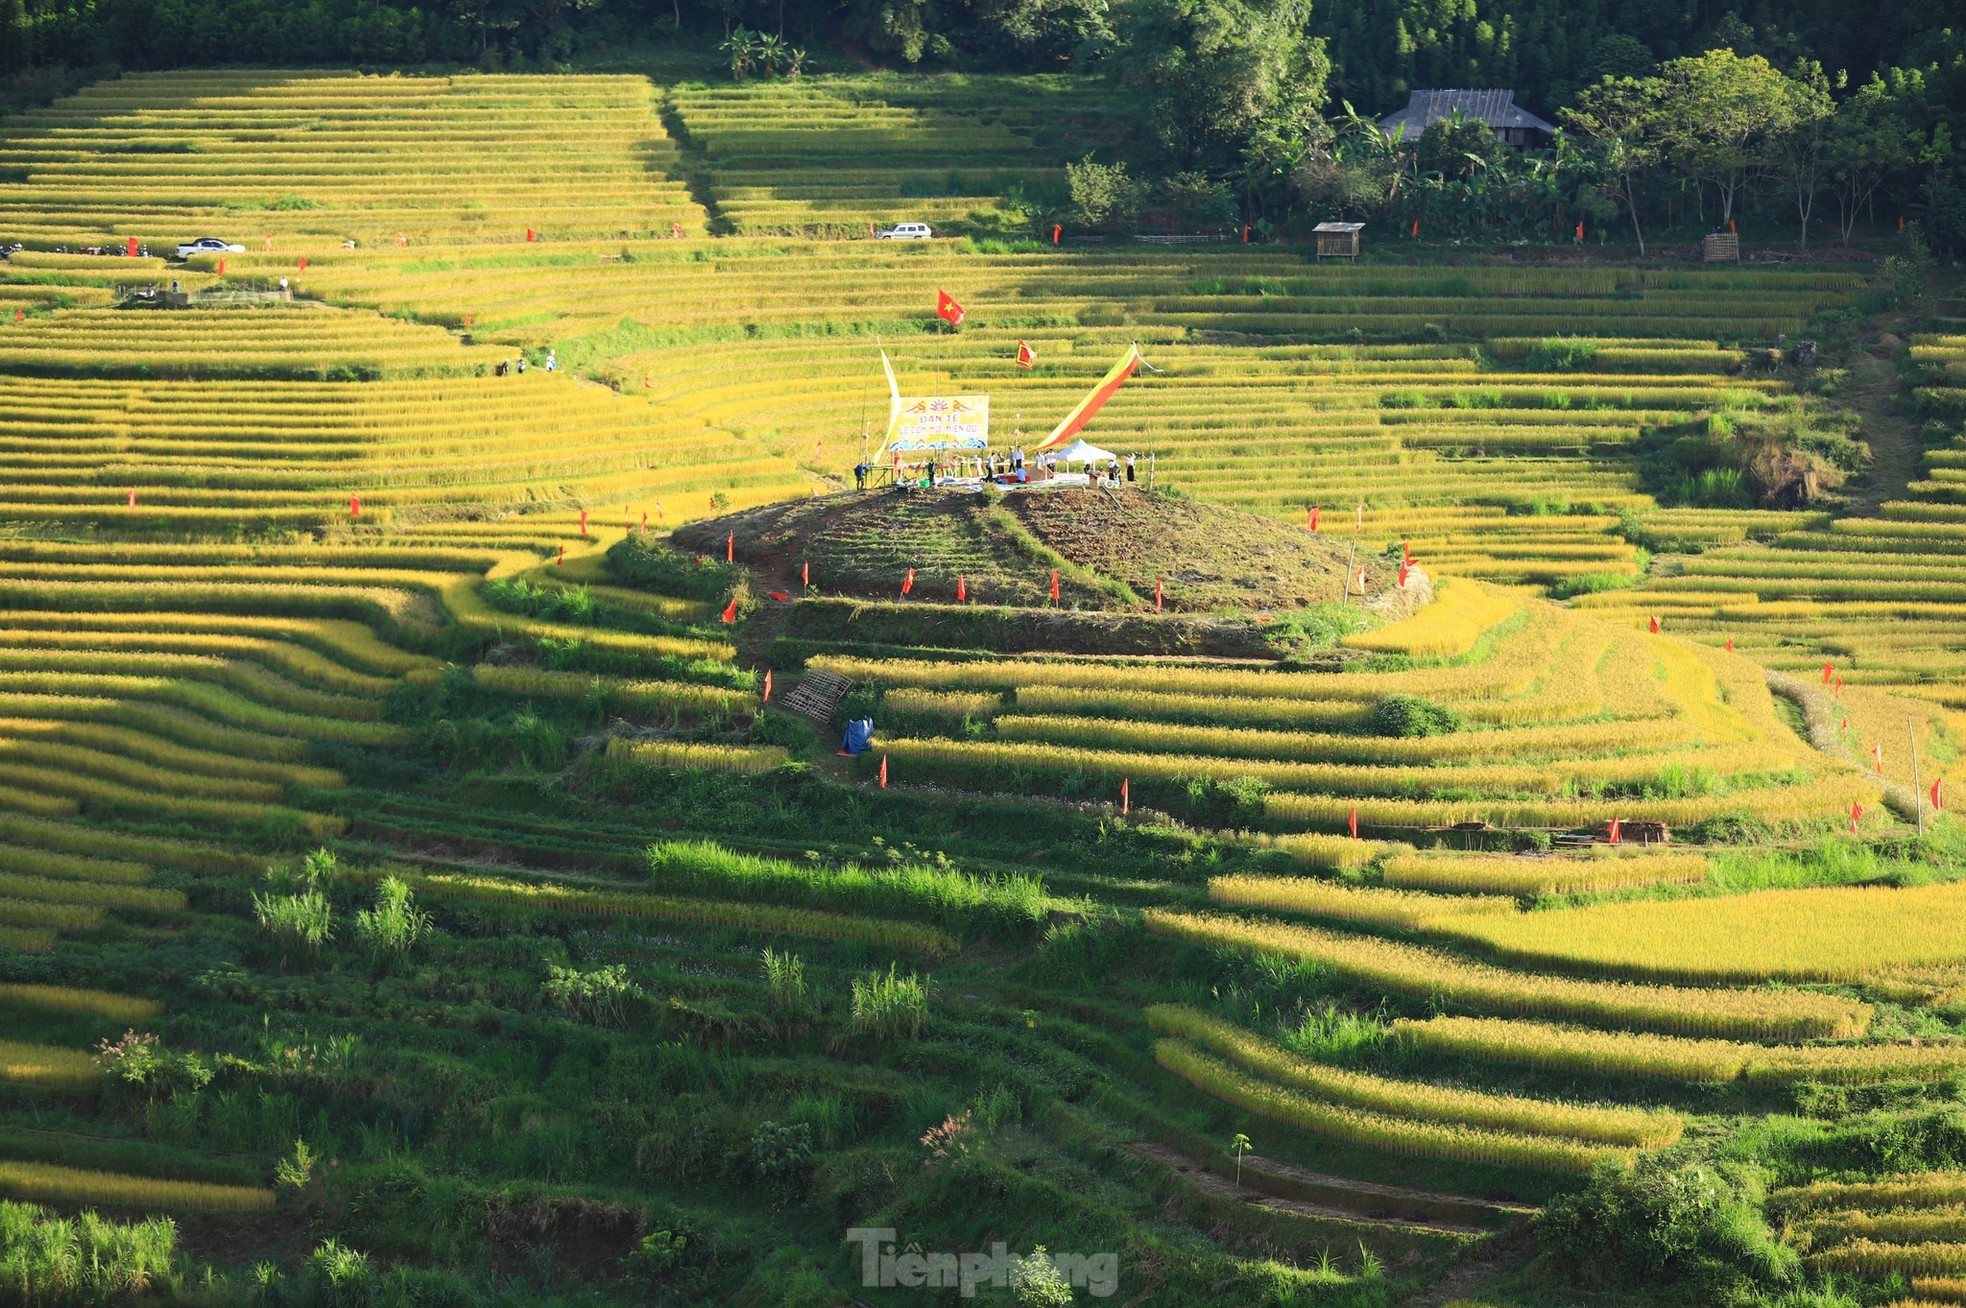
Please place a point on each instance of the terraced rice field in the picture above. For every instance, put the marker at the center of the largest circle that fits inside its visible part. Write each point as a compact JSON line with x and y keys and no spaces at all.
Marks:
{"x":281,"y":573}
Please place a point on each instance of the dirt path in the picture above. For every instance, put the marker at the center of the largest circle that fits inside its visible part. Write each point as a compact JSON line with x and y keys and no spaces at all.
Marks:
{"x":1373,"y":1199}
{"x":1874,"y":393}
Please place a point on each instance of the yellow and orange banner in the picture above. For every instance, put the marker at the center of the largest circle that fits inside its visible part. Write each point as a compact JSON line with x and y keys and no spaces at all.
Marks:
{"x":1083,"y":412}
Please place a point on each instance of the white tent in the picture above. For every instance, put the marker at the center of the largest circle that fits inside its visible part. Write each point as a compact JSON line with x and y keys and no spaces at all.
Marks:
{"x":1079,"y":451}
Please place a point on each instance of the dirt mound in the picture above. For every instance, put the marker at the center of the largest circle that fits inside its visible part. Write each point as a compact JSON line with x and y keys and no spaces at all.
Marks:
{"x":1108,"y":547}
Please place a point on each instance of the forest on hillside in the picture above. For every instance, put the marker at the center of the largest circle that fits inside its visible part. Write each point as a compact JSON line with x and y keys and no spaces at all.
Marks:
{"x":1681,"y":113}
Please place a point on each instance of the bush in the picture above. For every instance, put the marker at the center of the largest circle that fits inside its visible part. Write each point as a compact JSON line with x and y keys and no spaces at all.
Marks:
{"x":781,"y":1157}
{"x":394,"y":924}
{"x":84,"y":1260}
{"x":889,"y":1007}
{"x":601,"y":996}
{"x":1660,"y":1222}
{"x":1104,"y":195}
{"x":651,"y":565}
{"x":141,"y":1062}
{"x":1226,"y":802}
{"x":1412,"y":715}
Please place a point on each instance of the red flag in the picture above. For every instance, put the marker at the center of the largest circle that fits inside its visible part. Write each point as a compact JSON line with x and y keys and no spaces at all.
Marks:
{"x":778,"y":595}
{"x":221,"y":267}
{"x":130,"y":251}
{"x":1938,"y":794}
{"x":1730,"y":644}
{"x":1406,"y":553}
{"x":1616,"y":834}
{"x":1026,"y":356}
{"x":730,"y":609}
{"x":1157,"y":595}
{"x":1827,"y":670}
{"x":1126,"y":796}
{"x":1404,"y":568}
{"x":354,"y":506}
{"x":1245,"y":233}
{"x":1353,"y":824}
{"x":1838,"y":692}
{"x":303,"y":268}
{"x":1655,"y":625}
{"x":1054,"y":585}
{"x":947,"y":309}
{"x":1317,"y":511}
{"x":1580,"y":233}
{"x":531,"y":235}
{"x":19,"y":314}
{"x":583,"y":522}
{"x":133,"y":499}
{"x":1856,"y":812}
{"x":767,"y":694}
{"x":1732,"y":228}
{"x":883,"y":772}
{"x":563,"y":557}
{"x":805,"y":572}
{"x":730,"y":548}
{"x":962,"y":587}
{"x":1416,"y":226}
{"x":1058,"y":228}
{"x":908,"y":582}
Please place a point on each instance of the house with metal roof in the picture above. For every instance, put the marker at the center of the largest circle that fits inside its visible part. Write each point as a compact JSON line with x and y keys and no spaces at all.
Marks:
{"x":1511,"y":124}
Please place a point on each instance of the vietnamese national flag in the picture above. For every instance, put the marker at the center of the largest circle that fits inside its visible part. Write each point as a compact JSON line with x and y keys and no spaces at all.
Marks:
{"x":1026,"y":356}
{"x":1054,"y":585}
{"x":947,"y":309}
{"x":730,"y":609}
{"x":962,"y":587}
{"x":1617,"y":832}
{"x":1353,"y":824}
{"x":883,"y":772}
{"x":767,"y":695}
{"x":1654,"y":626}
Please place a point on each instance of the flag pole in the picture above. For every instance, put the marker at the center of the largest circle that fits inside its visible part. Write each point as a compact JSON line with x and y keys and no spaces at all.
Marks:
{"x":1917,"y":795}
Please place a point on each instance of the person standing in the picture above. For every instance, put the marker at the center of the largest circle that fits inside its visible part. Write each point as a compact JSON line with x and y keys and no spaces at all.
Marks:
{"x":552,"y":361}
{"x":860,"y":475}
{"x":1129,"y":468}
{"x":1017,"y":459}
{"x":522,"y":365}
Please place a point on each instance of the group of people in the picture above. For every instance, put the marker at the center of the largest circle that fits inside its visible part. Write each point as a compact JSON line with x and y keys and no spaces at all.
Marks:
{"x":505,"y":366}
{"x":1015,"y":467}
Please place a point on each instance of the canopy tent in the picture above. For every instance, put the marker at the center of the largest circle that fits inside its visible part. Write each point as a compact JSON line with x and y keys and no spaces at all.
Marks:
{"x":1080,"y":451}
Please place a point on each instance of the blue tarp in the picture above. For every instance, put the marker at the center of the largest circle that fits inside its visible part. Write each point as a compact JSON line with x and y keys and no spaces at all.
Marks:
{"x":859,"y":735}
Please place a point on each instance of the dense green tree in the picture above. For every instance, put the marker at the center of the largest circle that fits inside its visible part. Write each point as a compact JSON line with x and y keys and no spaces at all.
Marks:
{"x":1799,"y":148}
{"x":1214,"y":74}
{"x":16,"y":36}
{"x":1621,"y":120}
{"x":1719,"y":117}
{"x":1871,"y":138}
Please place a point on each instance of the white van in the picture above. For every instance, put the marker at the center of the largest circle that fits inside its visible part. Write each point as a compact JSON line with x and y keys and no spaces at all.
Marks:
{"x":906,"y":232}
